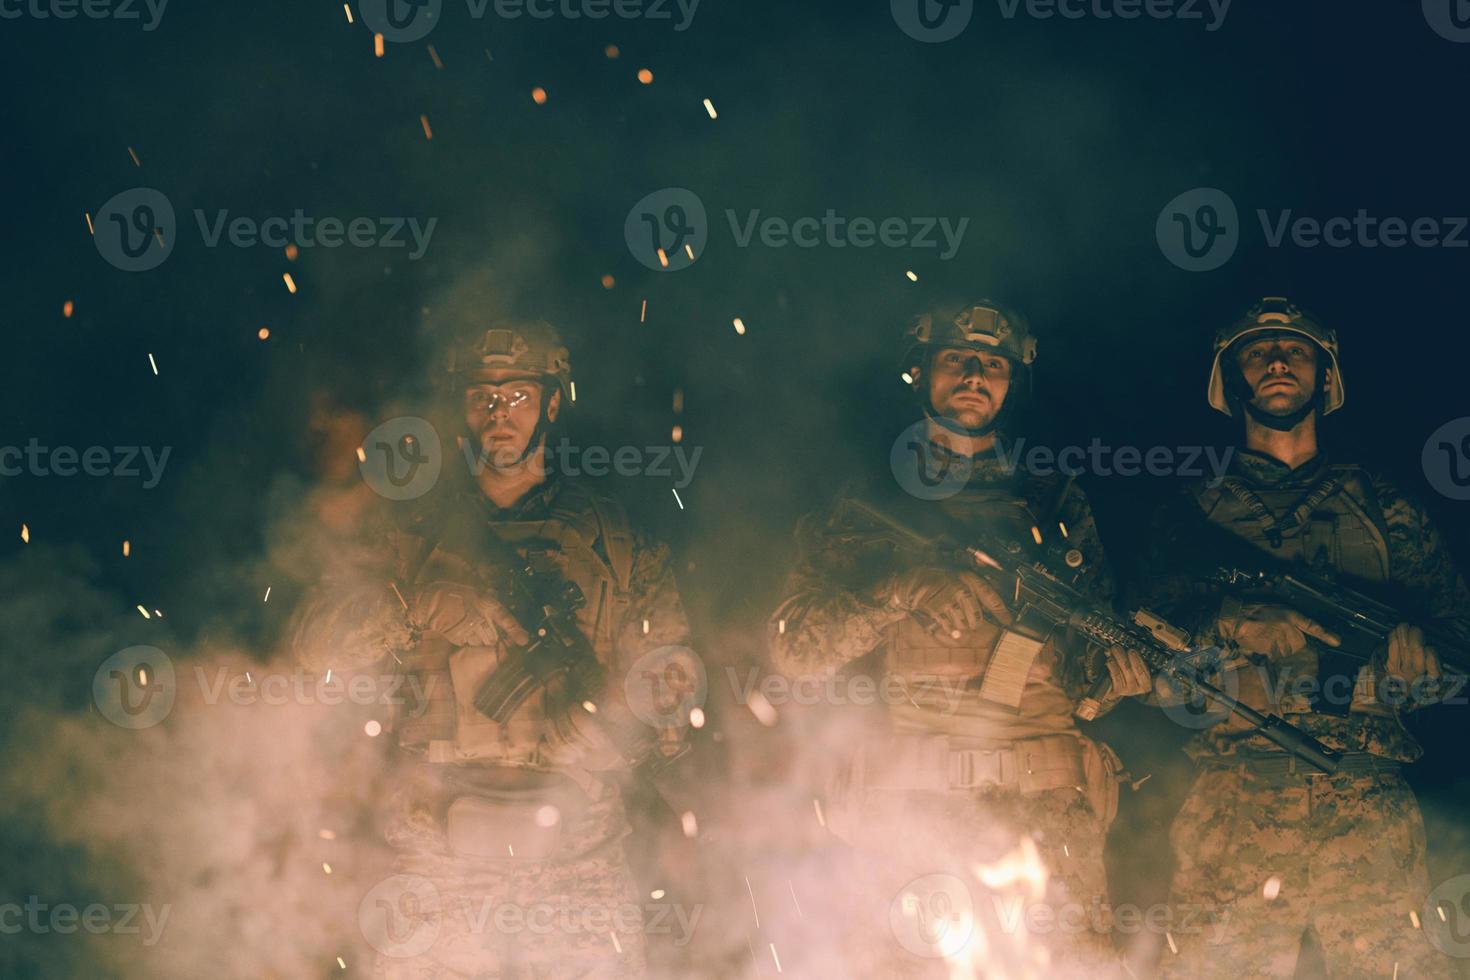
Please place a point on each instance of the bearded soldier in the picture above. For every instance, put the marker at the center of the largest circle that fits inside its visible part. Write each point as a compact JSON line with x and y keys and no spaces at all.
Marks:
{"x":1266,"y":846}
{"x":978,"y":759}
{"x":508,"y":819}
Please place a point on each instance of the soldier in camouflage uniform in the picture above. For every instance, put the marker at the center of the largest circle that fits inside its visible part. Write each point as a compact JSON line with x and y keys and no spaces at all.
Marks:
{"x":1266,"y":847}
{"x":977,"y":757}
{"x":508,"y":835}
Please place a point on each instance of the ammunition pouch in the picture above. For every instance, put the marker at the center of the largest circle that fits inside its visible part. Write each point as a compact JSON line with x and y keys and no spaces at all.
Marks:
{"x":942,"y":762}
{"x":513,"y":824}
{"x":1102,"y":771}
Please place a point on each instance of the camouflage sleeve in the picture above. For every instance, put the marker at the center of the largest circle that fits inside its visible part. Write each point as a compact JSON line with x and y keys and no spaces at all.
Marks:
{"x":1421,"y":567}
{"x":355,"y":617}
{"x":828,"y":617}
{"x":1420,"y":564}
{"x":655,"y":616}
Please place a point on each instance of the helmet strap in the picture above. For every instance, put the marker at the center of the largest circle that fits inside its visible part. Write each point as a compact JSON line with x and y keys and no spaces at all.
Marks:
{"x":1240,"y":395}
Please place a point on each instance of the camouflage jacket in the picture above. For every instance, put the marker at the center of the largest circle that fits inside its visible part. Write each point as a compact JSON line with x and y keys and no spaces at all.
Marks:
{"x":358,"y":618}
{"x":1335,"y":520}
{"x":833,"y":620}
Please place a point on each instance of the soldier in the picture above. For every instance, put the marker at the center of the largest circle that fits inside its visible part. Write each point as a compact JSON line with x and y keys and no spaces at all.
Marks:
{"x":507,"y":830}
{"x":1267,"y":848}
{"x":979,"y":757}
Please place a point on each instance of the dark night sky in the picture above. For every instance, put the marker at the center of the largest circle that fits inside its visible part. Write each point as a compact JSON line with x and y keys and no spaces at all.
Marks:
{"x":1059,"y":140}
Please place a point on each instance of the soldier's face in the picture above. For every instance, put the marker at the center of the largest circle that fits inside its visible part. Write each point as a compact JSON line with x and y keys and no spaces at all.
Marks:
{"x":1281,"y":372}
{"x":503,"y":415}
{"x":968,"y":386}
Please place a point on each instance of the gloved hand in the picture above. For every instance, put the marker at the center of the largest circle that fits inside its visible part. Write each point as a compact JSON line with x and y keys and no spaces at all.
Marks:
{"x":1129,"y":674}
{"x":464,"y":616}
{"x":954,"y":600}
{"x":1275,"y":631}
{"x":1409,"y":658}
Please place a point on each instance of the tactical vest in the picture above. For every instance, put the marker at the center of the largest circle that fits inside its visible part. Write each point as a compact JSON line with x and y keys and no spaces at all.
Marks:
{"x":1333,"y":525}
{"x":915,"y":653}
{"x":584,"y":539}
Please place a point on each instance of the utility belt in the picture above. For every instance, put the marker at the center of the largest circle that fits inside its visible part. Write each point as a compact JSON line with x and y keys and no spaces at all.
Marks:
{"x":1283,"y":765}
{"x":939,"y":763}
{"x":512,"y":815}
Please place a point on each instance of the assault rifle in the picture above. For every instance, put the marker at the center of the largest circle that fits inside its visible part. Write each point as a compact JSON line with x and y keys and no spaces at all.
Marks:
{"x":1043,"y":599}
{"x":1362,"y":621}
{"x":547,"y":606}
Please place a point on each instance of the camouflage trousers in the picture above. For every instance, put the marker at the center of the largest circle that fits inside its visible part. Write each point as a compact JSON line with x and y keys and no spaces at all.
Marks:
{"x":1260,"y":859}
{"x":569,"y":914}
{"x":1003,"y":883}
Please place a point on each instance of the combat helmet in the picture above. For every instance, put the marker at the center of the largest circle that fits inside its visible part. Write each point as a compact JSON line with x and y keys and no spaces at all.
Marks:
{"x":1273,"y":314}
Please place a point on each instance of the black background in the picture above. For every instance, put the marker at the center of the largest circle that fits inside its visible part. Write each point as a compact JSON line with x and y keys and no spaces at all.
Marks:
{"x":1061,"y":141}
